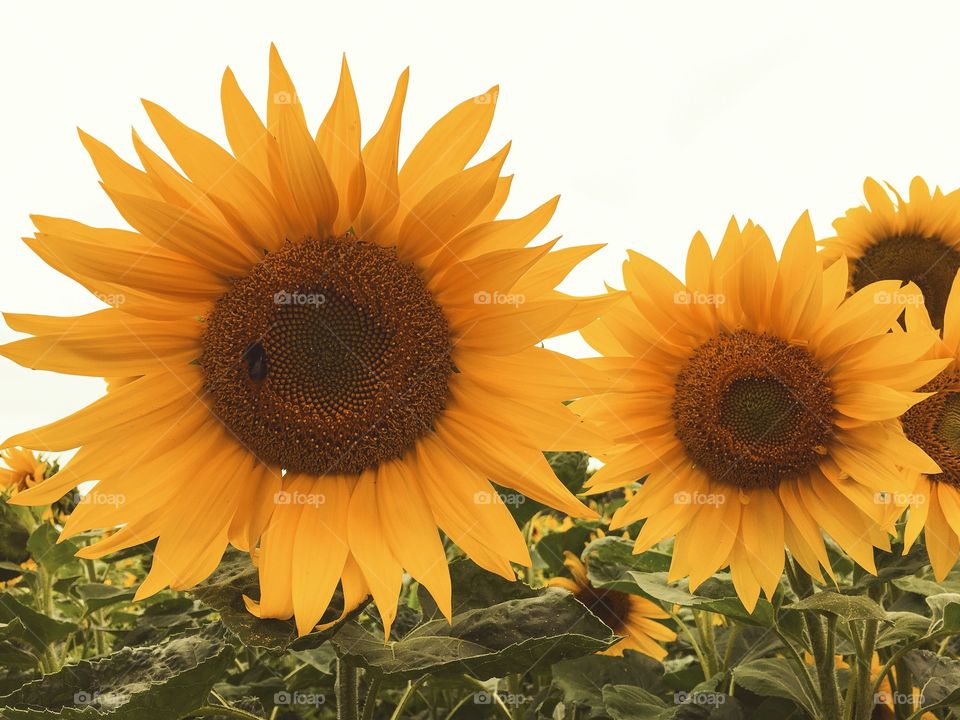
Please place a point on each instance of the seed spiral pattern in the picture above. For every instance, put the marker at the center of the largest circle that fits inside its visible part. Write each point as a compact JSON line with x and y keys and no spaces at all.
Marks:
{"x":934,"y":425}
{"x":330,"y":357}
{"x":752,"y":410}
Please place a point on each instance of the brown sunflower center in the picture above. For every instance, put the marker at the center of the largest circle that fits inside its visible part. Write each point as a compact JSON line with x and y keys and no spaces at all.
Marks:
{"x":331,"y":356}
{"x":752,"y":410}
{"x":611,"y":606}
{"x":934,"y":425}
{"x":927,"y":261}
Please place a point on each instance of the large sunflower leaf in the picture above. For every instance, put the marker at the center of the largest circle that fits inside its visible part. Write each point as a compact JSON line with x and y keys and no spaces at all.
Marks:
{"x":774,"y":677}
{"x":162,"y":682}
{"x":498,"y":628}
{"x":609,"y":561}
{"x":582,"y":680}
{"x":47,"y":551}
{"x":845,"y":607}
{"x":937,"y":677}
{"x":715,"y":594}
{"x":224,"y":590}
{"x":40,"y":630}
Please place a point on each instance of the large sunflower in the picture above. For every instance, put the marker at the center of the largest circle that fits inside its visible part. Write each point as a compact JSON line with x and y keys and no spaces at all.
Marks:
{"x":315,"y":346}
{"x":934,"y":425}
{"x":632,"y":616}
{"x":915,"y":240}
{"x":761,"y":404}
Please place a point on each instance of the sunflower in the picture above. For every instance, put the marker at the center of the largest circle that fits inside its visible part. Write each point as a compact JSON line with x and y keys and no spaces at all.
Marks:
{"x":632,"y":616}
{"x":23,"y":470}
{"x":917,"y":240}
{"x":314,"y":348}
{"x":761,"y":404}
{"x":934,"y":425}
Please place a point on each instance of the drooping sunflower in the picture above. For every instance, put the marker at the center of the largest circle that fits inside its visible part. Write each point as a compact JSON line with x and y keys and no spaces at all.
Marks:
{"x":915,"y":240}
{"x":23,"y":470}
{"x":632,"y":616}
{"x":761,"y":405}
{"x":934,"y":425}
{"x":312,"y":346}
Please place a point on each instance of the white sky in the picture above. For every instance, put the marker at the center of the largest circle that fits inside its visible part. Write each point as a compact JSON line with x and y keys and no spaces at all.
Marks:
{"x":652,"y":120}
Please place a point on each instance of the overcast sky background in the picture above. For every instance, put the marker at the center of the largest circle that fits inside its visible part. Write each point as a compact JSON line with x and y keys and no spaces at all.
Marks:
{"x":652,"y":120}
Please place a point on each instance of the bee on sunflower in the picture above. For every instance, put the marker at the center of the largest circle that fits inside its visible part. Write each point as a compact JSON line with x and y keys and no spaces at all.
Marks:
{"x":762,"y":404}
{"x":318,"y":352}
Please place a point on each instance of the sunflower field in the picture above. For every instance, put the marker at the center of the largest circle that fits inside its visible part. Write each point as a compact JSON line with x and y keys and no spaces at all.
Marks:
{"x":335,"y":472}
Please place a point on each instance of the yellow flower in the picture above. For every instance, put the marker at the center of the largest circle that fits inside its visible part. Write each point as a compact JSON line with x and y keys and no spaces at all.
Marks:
{"x":632,"y":616}
{"x":763,"y":405}
{"x":934,"y":425}
{"x":311,"y":342}
{"x":917,"y":240}
{"x":23,"y":469}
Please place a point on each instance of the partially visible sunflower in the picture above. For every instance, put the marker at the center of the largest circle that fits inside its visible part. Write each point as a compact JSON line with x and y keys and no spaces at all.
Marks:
{"x":314,"y":347}
{"x":632,"y":616}
{"x":934,"y":425}
{"x":915,"y":240}
{"x":761,"y":403}
{"x":23,"y":470}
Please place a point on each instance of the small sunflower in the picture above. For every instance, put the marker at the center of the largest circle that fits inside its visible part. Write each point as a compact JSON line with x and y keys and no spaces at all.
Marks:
{"x":632,"y":616}
{"x":761,"y":404}
{"x":312,"y":346}
{"x":915,"y":240}
{"x":934,"y":425}
{"x":23,"y":470}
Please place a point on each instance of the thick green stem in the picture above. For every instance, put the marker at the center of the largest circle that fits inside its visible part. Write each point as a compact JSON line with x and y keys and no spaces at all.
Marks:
{"x":97,"y":615}
{"x":370,"y":703}
{"x":693,"y":642}
{"x":904,"y":691}
{"x":708,"y":641}
{"x":865,"y":693}
{"x":347,"y":690}
{"x":732,"y":636}
{"x":405,"y":698}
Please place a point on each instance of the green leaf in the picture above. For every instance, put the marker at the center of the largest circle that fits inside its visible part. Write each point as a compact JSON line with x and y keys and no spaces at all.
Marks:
{"x":98,"y":595}
{"x":716,"y":594}
{"x":937,"y":677}
{"x":774,"y":677}
{"x":551,"y":548}
{"x":902,"y":627}
{"x":224,"y":590}
{"x":891,"y":565}
{"x":40,"y":630}
{"x":609,"y":561}
{"x":163,"y":682}
{"x":582,"y":680}
{"x":498,"y":628}
{"x":626,"y":702}
{"x":946,"y":611}
{"x":46,"y":551}
{"x":845,"y":607}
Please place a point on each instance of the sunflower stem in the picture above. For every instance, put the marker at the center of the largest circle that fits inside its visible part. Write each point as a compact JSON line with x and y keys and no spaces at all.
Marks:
{"x":904,"y":686}
{"x":708,"y":641}
{"x":693,"y":641}
{"x":865,"y":692}
{"x":97,"y":615}
{"x":821,"y":642}
{"x":370,"y":702}
{"x":412,"y":687}
{"x":348,"y":700}
{"x":731,"y":646}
